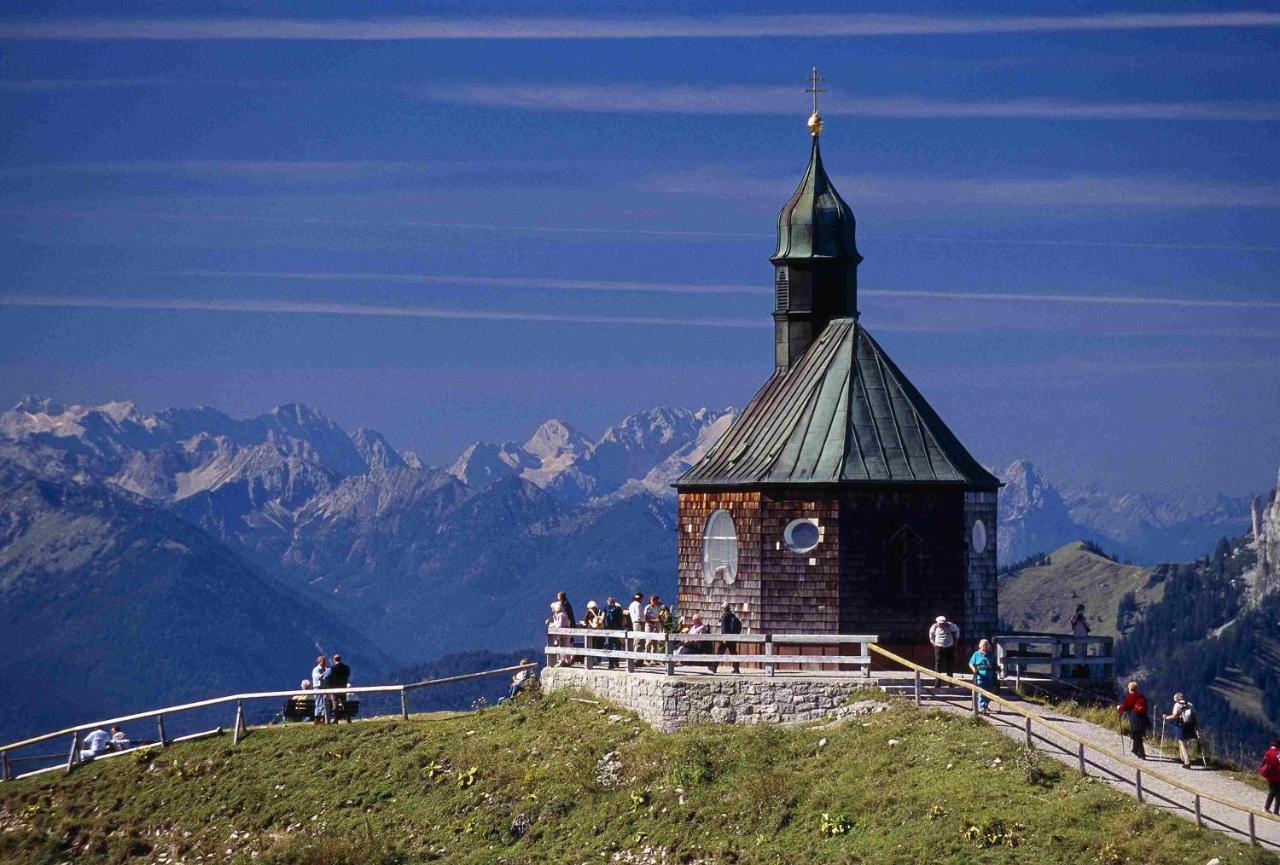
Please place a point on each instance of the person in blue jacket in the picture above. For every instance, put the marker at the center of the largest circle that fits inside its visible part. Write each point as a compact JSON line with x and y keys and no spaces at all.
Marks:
{"x":983,"y":665}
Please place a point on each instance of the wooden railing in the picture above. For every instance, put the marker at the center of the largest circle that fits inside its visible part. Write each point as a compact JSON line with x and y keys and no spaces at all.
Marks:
{"x":1059,"y":652}
{"x":767,"y":652}
{"x":1140,"y":771}
{"x":239,"y":727}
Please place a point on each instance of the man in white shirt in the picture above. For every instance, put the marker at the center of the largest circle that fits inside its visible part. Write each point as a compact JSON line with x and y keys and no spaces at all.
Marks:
{"x":943,"y":636}
{"x":95,"y":743}
{"x":636,"y":611}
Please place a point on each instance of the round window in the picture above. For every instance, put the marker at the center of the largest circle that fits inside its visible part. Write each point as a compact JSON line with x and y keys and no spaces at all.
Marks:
{"x":719,"y":548}
{"x":979,"y":537}
{"x":801,"y":535}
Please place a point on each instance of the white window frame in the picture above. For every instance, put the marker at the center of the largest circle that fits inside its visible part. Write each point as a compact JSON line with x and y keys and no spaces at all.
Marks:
{"x":720,"y":548}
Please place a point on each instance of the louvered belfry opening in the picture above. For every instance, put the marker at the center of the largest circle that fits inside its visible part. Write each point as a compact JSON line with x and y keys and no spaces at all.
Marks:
{"x":838,"y":436}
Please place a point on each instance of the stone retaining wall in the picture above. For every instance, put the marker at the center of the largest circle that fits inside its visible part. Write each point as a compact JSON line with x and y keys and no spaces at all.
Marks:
{"x":670,"y":702}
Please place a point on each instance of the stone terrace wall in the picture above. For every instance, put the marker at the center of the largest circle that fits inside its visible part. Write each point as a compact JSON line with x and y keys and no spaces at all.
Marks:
{"x":668,"y":703}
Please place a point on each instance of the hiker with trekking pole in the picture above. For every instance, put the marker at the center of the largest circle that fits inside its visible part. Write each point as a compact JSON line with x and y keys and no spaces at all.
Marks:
{"x":1185,"y":722}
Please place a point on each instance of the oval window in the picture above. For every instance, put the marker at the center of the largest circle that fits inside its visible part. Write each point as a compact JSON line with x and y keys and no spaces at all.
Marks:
{"x":801,"y":535}
{"x":979,"y":536}
{"x":719,"y":548}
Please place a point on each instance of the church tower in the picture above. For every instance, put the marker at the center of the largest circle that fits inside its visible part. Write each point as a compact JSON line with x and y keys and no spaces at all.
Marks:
{"x":816,"y":259}
{"x":839,"y":501}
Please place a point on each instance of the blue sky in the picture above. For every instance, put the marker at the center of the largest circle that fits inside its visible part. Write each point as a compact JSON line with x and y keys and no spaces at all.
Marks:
{"x":450,"y":224}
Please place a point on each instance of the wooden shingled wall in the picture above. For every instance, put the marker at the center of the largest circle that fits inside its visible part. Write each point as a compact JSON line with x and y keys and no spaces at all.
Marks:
{"x":695,"y":596}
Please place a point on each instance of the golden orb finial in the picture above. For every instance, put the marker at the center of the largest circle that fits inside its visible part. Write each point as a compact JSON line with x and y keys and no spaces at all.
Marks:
{"x":815,"y":119}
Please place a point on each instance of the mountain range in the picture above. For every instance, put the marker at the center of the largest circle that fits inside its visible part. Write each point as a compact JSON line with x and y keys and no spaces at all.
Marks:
{"x":228,"y":551}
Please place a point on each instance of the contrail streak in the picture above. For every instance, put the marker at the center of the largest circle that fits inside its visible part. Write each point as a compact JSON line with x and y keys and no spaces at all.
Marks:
{"x":590,"y":230}
{"x":613,"y":27}
{"x":354,"y":309}
{"x":524,"y":282}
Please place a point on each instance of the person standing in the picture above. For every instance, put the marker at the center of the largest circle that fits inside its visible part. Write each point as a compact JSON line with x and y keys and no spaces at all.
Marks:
{"x":1270,"y":772}
{"x":1080,"y":623}
{"x":613,"y":621}
{"x":594,"y":620}
{"x":339,"y":677}
{"x":560,"y":619}
{"x":943,"y":636}
{"x":563,"y":598}
{"x":982,"y":664}
{"x":729,"y":624}
{"x":320,"y":679}
{"x":653,"y":621}
{"x":1135,"y":710}
{"x":1185,"y":723}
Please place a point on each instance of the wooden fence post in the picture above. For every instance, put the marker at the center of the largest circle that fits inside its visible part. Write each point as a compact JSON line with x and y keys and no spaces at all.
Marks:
{"x":8,"y":774}
{"x":587,"y":661}
{"x":1029,"y":742}
{"x":768,"y":650}
{"x":671,"y":663}
{"x":628,"y":643}
{"x":865,"y":651}
{"x":238,"y":729}
{"x":75,"y":750}
{"x":164,"y":740}
{"x":1253,"y":832}
{"x":1080,"y":754}
{"x":404,"y":704}
{"x":1199,"y":821}
{"x":974,"y":694}
{"x":1137,"y":782}
{"x":917,"y":689}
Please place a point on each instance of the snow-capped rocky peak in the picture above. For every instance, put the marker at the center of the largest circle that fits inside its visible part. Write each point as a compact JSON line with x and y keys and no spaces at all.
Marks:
{"x":377,"y":452}
{"x":556,"y":439}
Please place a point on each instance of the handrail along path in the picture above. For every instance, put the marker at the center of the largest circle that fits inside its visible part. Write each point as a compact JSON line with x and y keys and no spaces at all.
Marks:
{"x":240,"y":728}
{"x":1142,"y":773}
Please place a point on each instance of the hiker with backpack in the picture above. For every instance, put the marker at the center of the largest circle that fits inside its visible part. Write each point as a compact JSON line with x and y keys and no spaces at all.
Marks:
{"x":1270,"y":772}
{"x":729,"y":624}
{"x":1136,"y":712}
{"x":1185,"y":722}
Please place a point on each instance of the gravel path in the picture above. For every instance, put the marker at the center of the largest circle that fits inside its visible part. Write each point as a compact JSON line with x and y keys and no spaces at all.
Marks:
{"x":1107,"y":744}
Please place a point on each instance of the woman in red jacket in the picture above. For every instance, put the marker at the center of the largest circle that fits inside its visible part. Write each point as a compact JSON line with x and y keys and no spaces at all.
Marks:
{"x":1134,"y":708}
{"x":1270,"y":769}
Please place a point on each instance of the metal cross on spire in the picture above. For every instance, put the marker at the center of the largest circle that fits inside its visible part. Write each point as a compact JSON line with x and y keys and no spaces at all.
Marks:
{"x":815,"y":119}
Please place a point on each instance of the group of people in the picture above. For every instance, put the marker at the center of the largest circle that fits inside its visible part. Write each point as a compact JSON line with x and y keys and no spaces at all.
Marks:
{"x":653,"y":617}
{"x":1136,"y":713}
{"x":99,"y":742}
{"x":944,"y":637}
{"x":325,"y":708}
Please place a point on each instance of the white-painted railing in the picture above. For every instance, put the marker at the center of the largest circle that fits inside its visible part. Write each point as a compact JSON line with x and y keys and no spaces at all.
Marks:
{"x":239,"y":727}
{"x":765,"y":653}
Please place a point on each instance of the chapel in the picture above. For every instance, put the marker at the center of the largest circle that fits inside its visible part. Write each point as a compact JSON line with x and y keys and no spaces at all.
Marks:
{"x":838,"y":501}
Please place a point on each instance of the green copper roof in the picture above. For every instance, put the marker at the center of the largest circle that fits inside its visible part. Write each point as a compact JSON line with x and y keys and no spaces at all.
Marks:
{"x":844,"y":413}
{"x":815,"y":222}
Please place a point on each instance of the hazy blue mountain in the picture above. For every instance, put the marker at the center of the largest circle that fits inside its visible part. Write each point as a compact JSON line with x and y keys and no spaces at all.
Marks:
{"x":418,"y":561}
{"x":1037,"y":517}
{"x":109,"y":605}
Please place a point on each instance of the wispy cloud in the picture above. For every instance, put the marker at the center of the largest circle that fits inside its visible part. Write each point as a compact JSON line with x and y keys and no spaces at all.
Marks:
{"x":264,"y":169}
{"x":616,"y":27}
{"x":629,"y":98}
{"x":105,"y":215}
{"x":554,"y":284}
{"x":38,"y":85}
{"x":1073,"y":191}
{"x":277,"y":307}
{"x":359,"y":310}
{"x":521,"y":282}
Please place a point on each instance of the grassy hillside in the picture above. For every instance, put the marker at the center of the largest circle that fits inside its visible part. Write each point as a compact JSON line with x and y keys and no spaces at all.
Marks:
{"x":1044,"y":598}
{"x":555,"y":780}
